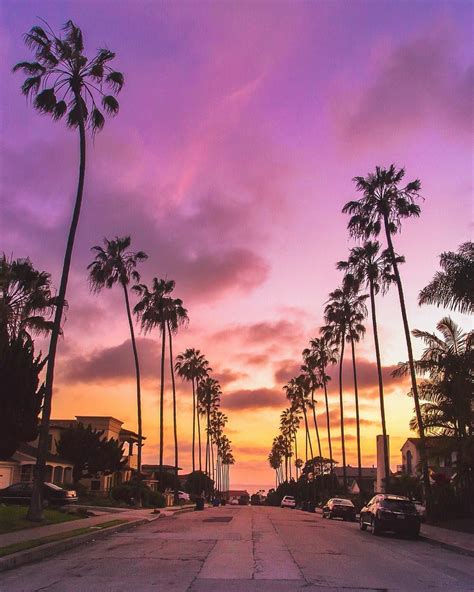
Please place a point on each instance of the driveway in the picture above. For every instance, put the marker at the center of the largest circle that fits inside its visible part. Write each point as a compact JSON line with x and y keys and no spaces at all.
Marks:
{"x":240,"y":549}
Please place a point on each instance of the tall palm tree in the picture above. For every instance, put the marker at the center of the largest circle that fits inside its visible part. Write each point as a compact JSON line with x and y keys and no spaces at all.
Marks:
{"x":63,"y":81}
{"x":343,"y":314}
{"x":309,"y":369}
{"x":115,"y":264}
{"x":176,"y":317}
{"x":298,"y":392}
{"x":26,"y":300}
{"x":320,"y":354}
{"x":153,"y":311}
{"x":208,"y":394}
{"x":385,"y":202}
{"x":454,"y":286}
{"x":373,"y":269}
{"x":192,"y":366}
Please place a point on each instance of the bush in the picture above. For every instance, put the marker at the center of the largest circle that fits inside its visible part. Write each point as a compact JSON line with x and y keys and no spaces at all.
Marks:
{"x":127,"y":492}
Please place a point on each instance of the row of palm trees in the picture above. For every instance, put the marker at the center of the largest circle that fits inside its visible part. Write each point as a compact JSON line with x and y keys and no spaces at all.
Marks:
{"x":385,"y":201}
{"x":61,"y":81}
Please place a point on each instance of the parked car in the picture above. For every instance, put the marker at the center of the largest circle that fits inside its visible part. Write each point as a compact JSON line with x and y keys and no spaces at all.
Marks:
{"x":288,"y":502}
{"x":20,"y":493}
{"x":338,"y":507}
{"x":234,"y":501}
{"x":421,"y":509}
{"x":182,"y":495}
{"x":390,"y":513}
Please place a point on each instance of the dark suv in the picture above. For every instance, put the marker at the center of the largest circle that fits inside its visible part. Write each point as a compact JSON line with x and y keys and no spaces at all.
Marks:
{"x":390,"y":512}
{"x":338,"y":507}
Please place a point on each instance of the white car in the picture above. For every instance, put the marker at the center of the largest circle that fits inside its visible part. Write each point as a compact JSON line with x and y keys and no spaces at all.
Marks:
{"x":234,"y":501}
{"x":182,"y":495}
{"x":288,"y":502}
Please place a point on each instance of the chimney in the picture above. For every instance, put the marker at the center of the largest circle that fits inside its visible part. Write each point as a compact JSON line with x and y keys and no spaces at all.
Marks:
{"x":379,"y":486}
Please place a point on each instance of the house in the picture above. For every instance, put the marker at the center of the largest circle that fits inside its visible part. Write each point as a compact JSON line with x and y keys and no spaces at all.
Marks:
{"x":20,"y":466}
{"x":441,"y":457}
{"x":151,"y":474}
{"x":355,"y":484}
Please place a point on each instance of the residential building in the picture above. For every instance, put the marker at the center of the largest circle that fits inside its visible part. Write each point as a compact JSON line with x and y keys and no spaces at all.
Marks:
{"x":355,"y":484}
{"x":441,"y":457}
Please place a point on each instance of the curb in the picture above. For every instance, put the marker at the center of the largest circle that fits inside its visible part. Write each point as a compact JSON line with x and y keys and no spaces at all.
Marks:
{"x":49,"y":549}
{"x":448,"y":546}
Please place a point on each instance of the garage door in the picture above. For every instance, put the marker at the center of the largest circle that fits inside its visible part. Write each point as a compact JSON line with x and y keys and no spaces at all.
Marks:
{"x":5,"y":476}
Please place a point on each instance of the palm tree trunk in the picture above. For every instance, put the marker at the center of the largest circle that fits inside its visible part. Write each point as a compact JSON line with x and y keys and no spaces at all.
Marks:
{"x":162,"y":399}
{"x":414,"y":386}
{"x":35,"y":511}
{"x":380,"y":380}
{"x":199,"y":439}
{"x":341,"y":407}
{"x":194,"y":423}
{"x":296,"y":454}
{"x":175,"y":419}
{"x":356,"y":394}
{"x":307,"y":430}
{"x":316,"y":423}
{"x":327,"y":416}
{"x":139,"y":398}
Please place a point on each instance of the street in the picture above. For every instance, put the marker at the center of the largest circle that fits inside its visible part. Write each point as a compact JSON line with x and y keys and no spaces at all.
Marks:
{"x":239,"y":549}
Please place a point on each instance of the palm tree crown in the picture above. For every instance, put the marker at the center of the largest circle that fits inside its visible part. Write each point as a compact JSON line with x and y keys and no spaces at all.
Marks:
{"x":63,"y":81}
{"x":114,"y":263}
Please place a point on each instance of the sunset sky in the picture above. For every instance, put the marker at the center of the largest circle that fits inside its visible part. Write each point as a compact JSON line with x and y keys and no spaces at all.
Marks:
{"x":241,"y":126}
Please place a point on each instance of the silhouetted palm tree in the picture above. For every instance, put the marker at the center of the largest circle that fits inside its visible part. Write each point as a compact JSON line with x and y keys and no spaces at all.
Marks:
{"x":153,"y":311}
{"x":374,"y":270}
{"x":454,"y":286}
{"x":63,"y":81}
{"x":176,"y":317}
{"x":208,"y":395}
{"x":383,"y":205}
{"x":116,"y":264}
{"x":298,"y":392}
{"x":192,"y":366}
{"x":322,"y":353}
{"x":26,"y":300}
{"x":343,"y":314}
{"x":309,"y":369}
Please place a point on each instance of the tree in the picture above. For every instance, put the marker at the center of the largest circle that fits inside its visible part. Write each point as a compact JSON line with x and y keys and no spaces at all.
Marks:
{"x":343,"y":314}
{"x":90,"y":451}
{"x":309,"y":369}
{"x":61,"y":68}
{"x":385,"y":202}
{"x":116,"y":264}
{"x":21,"y":394}
{"x":192,"y":366}
{"x":26,"y":300}
{"x":373,"y":269}
{"x":298,"y":391}
{"x":454,"y":286}
{"x":153,"y":311}
{"x":208,"y":396}
{"x":177,"y":316}
{"x":319,"y":355}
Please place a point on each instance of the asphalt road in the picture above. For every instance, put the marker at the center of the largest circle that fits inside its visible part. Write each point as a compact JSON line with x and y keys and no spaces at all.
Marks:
{"x":240,"y":549}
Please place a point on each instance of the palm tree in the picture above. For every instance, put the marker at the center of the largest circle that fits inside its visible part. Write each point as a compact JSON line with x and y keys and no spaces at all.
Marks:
{"x":63,"y":81}
{"x":320,"y":354}
{"x":192,"y":366}
{"x":298,"y":392}
{"x":374,"y":270}
{"x":26,"y":300}
{"x":208,"y":395}
{"x":384,"y":204}
{"x":153,"y":311}
{"x":176,"y":317}
{"x":343,"y":314}
{"x":114,"y":264}
{"x":454,"y":286}
{"x":309,"y":369}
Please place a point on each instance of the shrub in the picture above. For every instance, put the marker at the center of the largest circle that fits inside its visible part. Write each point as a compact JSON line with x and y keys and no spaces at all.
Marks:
{"x":127,"y":492}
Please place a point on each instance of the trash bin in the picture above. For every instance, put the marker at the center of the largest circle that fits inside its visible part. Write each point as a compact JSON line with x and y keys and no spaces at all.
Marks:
{"x":223,"y":502}
{"x":199,"y":504}
{"x":215,"y":503}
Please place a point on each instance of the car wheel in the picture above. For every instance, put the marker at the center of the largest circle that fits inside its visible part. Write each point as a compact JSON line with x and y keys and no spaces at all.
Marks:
{"x":375,"y":527}
{"x":362,"y":525}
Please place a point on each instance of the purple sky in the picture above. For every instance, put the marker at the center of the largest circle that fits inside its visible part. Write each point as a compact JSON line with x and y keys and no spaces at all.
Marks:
{"x":241,"y":126}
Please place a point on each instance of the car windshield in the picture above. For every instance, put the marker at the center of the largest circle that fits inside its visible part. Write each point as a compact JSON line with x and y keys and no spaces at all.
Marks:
{"x":396,"y":504}
{"x":342,"y":502}
{"x":289,"y":498}
{"x":53,"y":486}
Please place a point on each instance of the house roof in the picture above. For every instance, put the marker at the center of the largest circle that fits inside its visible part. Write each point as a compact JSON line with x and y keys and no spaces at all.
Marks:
{"x":353,"y":472}
{"x":129,"y":434}
{"x":28,"y":450}
{"x":156,"y":468}
{"x":431,"y":441}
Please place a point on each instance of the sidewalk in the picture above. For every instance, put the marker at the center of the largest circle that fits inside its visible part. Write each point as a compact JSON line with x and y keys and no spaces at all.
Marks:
{"x":451,"y":539}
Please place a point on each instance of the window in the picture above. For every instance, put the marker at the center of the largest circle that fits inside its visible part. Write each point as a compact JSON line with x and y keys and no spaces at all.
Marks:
{"x":409,"y":462}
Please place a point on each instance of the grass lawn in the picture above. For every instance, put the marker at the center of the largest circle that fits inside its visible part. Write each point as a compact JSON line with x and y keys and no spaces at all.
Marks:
{"x":14,"y":518}
{"x":9,"y":549}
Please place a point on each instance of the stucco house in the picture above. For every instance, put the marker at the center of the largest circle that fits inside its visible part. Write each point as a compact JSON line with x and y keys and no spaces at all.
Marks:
{"x":20,"y":466}
{"x":440,"y":456}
